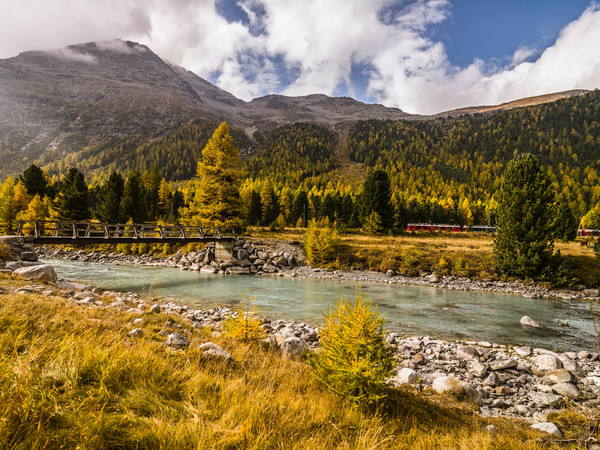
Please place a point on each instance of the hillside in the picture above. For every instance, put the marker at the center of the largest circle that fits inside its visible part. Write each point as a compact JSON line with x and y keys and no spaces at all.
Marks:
{"x":110,"y":105}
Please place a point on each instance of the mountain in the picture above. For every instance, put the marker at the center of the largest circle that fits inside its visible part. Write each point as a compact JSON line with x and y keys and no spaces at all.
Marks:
{"x":99,"y":104}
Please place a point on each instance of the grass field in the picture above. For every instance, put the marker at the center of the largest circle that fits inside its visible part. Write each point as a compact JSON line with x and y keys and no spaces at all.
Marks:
{"x":460,"y":254}
{"x":71,"y":377}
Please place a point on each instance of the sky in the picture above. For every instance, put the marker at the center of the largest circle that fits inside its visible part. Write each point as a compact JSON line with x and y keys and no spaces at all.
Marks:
{"x":422,"y":56}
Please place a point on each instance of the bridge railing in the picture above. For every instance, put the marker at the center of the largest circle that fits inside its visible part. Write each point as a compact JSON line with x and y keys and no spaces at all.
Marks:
{"x":97,"y":230}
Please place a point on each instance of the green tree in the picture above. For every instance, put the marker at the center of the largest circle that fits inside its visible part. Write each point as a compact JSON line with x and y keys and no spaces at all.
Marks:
{"x":216,"y":199}
{"x":354,"y":359}
{"x":565,"y":224}
{"x":35,"y":181}
{"x":72,"y":202}
{"x":133,"y":203}
{"x":111,"y":192}
{"x":525,"y":241}
{"x":254,"y":208}
{"x":376,"y":197}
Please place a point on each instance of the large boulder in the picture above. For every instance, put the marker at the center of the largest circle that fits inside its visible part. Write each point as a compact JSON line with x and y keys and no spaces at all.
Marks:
{"x":548,"y":427}
{"x":467,"y":352}
{"x":215,"y":352}
{"x":41,"y":272}
{"x":543,"y":364}
{"x":456,"y":386}
{"x":293,"y":348}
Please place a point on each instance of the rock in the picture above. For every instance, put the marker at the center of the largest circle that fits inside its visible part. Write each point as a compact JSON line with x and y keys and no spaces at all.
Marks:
{"x":390,"y":273}
{"x":209,"y":269}
{"x":29,"y":256}
{"x":269,"y":268}
{"x":238,"y":270}
{"x":523,"y":351}
{"x":280,"y":262}
{"x":574,"y":368}
{"x":527,"y":321}
{"x":566,"y":390}
{"x":503,"y":364}
{"x":492,"y":429}
{"x":407,"y":376}
{"x":544,"y":400}
{"x":548,"y":427}
{"x":419,"y":359}
{"x":177,"y":340}
{"x":242,"y":254}
{"x":492,"y":380}
{"x":138,"y":321}
{"x":543,"y":364}
{"x":215,"y":352}
{"x":163,"y":332}
{"x":467,"y":352}
{"x":155,"y":308}
{"x":293,"y":348}
{"x":42,"y":273}
{"x":559,"y":376}
{"x":137,"y":332}
{"x":455,"y":386}
{"x":478,"y":369}
{"x":591,"y":292}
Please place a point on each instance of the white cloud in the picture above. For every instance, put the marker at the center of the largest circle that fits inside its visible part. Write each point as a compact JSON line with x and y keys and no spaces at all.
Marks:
{"x":72,"y":55}
{"x":311,"y":47}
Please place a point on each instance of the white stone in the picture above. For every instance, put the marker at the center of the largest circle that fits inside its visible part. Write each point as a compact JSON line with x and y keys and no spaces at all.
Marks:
{"x":407,"y":376}
{"x":545,"y":363}
{"x":41,"y":272}
{"x":527,"y":321}
{"x":548,"y":427}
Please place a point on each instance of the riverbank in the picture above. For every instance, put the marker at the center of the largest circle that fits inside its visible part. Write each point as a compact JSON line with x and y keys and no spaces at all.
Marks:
{"x":269,"y":257}
{"x":94,"y":369}
{"x":498,"y":380}
{"x":502,"y":380}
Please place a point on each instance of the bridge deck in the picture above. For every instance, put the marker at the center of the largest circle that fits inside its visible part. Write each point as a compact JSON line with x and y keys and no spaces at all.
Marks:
{"x":62,"y":232}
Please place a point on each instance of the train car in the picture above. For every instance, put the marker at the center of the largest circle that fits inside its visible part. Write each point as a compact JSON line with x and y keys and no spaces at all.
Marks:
{"x":433,"y":227}
{"x":587,"y":232}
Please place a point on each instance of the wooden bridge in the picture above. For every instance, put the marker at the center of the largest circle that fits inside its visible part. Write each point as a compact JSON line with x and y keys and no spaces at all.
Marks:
{"x":61,"y":232}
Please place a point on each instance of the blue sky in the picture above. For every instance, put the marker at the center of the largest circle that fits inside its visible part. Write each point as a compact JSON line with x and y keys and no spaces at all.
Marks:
{"x":423,"y":56}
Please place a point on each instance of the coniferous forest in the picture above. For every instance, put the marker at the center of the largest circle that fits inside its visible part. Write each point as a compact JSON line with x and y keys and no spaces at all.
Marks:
{"x":444,"y":170}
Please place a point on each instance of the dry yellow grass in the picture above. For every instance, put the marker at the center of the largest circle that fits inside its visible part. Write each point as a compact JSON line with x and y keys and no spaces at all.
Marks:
{"x":70,"y":376}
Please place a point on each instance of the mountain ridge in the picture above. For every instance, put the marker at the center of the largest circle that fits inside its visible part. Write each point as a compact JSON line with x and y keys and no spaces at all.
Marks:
{"x":64,"y":100}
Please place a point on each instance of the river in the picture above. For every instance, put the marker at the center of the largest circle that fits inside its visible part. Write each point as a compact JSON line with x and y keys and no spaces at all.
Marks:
{"x":410,"y":310}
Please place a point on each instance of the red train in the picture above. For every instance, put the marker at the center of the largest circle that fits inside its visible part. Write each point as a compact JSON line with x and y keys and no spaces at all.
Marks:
{"x":433,"y":227}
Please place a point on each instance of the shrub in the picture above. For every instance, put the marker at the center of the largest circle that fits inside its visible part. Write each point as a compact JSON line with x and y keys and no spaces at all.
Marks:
{"x":245,"y":324}
{"x":354,"y":359}
{"x":321,"y":245}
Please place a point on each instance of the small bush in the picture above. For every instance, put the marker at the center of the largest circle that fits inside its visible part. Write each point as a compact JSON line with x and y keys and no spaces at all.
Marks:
{"x":354,"y":360}
{"x":321,"y":245}
{"x":245,"y":324}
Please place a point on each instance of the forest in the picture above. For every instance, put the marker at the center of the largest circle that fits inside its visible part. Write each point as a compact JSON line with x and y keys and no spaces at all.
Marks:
{"x":445,"y":170}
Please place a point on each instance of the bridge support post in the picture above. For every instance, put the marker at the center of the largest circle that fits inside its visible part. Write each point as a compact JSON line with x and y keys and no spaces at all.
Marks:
{"x":223,"y":251}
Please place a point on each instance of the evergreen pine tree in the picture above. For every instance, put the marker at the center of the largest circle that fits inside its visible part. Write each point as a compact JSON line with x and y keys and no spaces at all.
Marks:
{"x":565,"y":224}
{"x":254,"y":208}
{"x":110,"y":198}
{"x":216,"y":201}
{"x":133,"y":203}
{"x":35,"y":181}
{"x":73,"y":201}
{"x":376,"y":197}
{"x":524,"y":244}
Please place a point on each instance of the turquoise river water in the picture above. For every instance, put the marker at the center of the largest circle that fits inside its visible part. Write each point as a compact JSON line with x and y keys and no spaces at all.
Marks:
{"x":410,"y":310}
